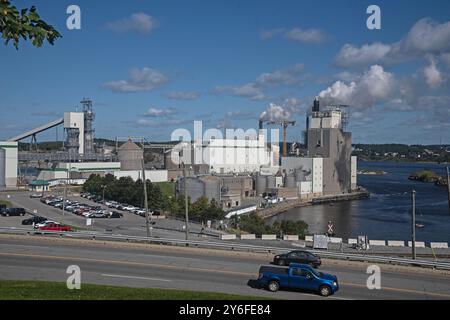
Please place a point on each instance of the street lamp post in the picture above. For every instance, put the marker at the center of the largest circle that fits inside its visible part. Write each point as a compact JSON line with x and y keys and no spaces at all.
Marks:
{"x":186,"y":208}
{"x":413,"y":226}
{"x":147,"y":222}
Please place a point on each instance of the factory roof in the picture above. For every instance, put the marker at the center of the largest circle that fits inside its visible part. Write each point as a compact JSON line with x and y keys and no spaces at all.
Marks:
{"x":129,"y":145}
{"x":39,"y":183}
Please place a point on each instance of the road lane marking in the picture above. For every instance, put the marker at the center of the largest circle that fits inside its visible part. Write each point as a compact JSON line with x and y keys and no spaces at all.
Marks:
{"x":195,"y":269}
{"x":143,"y":264}
{"x":134,"y":277}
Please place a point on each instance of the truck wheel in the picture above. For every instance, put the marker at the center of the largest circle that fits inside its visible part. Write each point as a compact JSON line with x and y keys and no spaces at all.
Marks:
{"x":273,"y":286}
{"x":281,"y":262}
{"x":325,"y":291}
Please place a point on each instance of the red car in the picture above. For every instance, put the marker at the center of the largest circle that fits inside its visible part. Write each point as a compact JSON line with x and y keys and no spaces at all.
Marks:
{"x":55,"y":227}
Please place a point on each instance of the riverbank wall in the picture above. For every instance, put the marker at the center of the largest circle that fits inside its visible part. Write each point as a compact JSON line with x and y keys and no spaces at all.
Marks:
{"x":284,"y":206}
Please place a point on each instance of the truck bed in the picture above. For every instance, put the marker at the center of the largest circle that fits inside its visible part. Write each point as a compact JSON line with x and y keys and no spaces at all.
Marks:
{"x":275,"y":270}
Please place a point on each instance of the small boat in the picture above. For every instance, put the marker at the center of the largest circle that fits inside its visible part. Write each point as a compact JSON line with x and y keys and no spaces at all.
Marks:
{"x":419,"y":225}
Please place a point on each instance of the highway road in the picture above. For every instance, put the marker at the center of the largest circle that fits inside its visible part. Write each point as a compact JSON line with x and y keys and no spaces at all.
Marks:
{"x":140,"y":265}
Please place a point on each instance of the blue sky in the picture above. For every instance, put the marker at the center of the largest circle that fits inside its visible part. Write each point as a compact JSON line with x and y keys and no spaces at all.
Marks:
{"x":153,"y":66}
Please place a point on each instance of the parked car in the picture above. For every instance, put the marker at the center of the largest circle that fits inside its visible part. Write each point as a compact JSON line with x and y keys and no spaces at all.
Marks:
{"x":6,"y":212}
{"x":35,"y":220}
{"x":95,"y":215}
{"x":297,"y":276}
{"x":44,"y":223}
{"x":55,"y":227}
{"x":114,"y":214}
{"x":35,"y":195}
{"x":297,"y":256}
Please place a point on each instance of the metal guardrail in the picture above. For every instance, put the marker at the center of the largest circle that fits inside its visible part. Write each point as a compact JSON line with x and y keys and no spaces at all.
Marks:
{"x":232,"y":246}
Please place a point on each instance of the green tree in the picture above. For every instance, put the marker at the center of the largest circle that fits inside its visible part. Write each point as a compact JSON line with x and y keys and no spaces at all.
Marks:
{"x":299,"y":228}
{"x":199,"y":208}
{"x":252,"y":223}
{"x":25,"y":24}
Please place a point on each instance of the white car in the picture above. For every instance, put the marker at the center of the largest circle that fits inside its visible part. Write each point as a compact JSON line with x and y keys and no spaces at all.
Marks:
{"x":129,"y":208}
{"x":43,"y":224}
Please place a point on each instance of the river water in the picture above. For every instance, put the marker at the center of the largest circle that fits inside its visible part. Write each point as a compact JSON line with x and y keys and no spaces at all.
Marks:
{"x":387,"y":214}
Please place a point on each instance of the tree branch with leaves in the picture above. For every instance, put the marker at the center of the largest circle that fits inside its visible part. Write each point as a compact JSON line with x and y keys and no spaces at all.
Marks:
{"x":25,"y":24}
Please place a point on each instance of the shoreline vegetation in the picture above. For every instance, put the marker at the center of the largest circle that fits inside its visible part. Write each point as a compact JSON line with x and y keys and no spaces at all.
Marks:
{"x":369,"y":171}
{"x":428,"y":176}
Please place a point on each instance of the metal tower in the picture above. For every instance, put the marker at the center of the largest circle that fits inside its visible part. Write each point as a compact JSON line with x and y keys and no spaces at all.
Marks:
{"x":88,"y":126}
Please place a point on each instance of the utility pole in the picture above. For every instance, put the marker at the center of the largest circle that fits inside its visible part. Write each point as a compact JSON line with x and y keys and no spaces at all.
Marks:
{"x":413,"y":242}
{"x":103,"y":192}
{"x":65,"y":191}
{"x":186,"y":209}
{"x":448,"y":187}
{"x":147,"y":223}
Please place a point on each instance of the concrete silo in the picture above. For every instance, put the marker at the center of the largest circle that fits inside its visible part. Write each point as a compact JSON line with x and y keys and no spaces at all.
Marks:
{"x":260,"y":185}
{"x":299,"y":175}
{"x":290,"y":182}
{"x":271,"y":182}
{"x":130,"y":156}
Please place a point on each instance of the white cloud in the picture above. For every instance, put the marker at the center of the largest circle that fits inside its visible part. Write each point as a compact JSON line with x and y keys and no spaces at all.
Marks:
{"x":256,"y":90}
{"x":350,"y":55}
{"x":433,"y":76}
{"x":270,"y":33}
{"x":145,"y":79}
{"x":286,"y":76}
{"x":137,"y":22}
{"x":307,"y":36}
{"x":275,"y":112}
{"x":248,"y":90}
{"x":155,"y":112}
{"x":296,"y":34}
{"x":446,"y":58}
{"x":425,"y":37}
{"x":158,"y":123}
{"x":373,"y":87}
{"x":187,"y":95}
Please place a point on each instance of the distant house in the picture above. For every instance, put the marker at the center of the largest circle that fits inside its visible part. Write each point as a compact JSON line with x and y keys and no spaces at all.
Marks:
{"x":39,"y":185}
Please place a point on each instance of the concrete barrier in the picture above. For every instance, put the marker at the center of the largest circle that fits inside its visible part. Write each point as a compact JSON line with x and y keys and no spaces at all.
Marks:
{"x":247,"y":236}
{"x":419,"y":244}
{"x":290,"y":237}
{"x":335,"y":240}
{"x":268,"y":237}
{"x":309,"y":238}
{"x":439,"y":245}
{"x":377,"y":242}
{"x":227,"y":237}
{"x":394,"y":243}
{"x":352,"y":241}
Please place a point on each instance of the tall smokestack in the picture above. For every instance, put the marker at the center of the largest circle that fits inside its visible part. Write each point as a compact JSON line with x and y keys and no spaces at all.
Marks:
{"x":316,"y":105}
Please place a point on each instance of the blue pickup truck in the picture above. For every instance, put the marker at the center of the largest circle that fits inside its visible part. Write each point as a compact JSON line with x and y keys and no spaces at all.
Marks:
{"x":297,"y":276}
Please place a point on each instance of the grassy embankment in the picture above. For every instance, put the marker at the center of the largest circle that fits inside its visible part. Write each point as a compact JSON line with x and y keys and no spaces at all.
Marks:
{"x":41,"y":290}
{"x":6,"y":203}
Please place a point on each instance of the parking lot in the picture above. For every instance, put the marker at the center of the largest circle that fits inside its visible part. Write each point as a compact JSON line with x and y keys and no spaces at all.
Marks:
{"x":129,"y":224}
